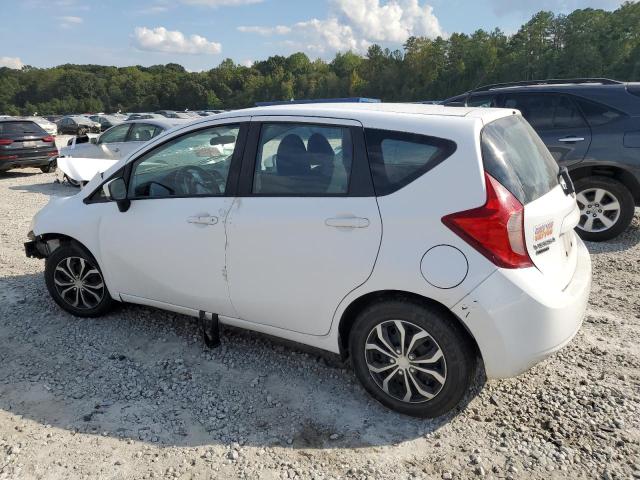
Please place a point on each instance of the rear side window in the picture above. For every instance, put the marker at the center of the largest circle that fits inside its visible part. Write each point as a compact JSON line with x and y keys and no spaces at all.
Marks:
{"x":545,"y":112}
{"x":514,"y":155}
{"x":398,"y":158}
{"x":20,"y":128}
{"x":597,"y":113}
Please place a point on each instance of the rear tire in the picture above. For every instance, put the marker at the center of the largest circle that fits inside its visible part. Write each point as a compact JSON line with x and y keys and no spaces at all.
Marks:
{"x":606,"y":208}
{"x":75,"y":282}
{"x":436,"y":359}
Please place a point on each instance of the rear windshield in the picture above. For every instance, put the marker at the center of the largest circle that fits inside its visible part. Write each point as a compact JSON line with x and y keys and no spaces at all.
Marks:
{"x":514,"y":155}
{"x":20,"y":128}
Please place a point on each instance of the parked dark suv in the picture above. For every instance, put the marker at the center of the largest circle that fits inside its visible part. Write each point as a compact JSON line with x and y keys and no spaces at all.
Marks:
{"x":592,"y":127}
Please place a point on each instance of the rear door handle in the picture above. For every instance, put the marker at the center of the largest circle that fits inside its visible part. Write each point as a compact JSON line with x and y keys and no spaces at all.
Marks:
{"x":347,"y":222}
{"x":571,"y":139}
{"x":203,"y":220}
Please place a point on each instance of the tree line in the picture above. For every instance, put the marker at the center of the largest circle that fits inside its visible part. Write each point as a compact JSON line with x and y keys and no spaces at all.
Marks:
{"x":584,"y":43}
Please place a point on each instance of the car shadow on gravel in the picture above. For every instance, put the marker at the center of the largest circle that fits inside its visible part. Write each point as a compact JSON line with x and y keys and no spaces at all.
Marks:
{"x":52,"y":189}
{"x":626,"y":240}
{"x":13,"y":174}
{"x":145,"y":375}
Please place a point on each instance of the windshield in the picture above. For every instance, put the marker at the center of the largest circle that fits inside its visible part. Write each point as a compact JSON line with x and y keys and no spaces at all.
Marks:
{"x":514,"y":155}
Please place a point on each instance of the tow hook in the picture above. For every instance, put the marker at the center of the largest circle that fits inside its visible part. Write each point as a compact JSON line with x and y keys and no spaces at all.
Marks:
{"x":210,"y":328}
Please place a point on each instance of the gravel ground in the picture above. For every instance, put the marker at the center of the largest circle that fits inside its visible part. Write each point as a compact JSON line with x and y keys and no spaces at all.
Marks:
{"x":136,"y":395}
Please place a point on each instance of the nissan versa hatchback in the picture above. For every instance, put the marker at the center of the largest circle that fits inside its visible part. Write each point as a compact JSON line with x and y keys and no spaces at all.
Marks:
{"x":414,"y":240}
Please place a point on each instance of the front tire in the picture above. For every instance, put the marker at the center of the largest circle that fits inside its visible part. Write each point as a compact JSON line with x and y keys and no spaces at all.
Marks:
{"x":75,"y":282}
{"x":412,"y":358}
{"x":606,"y":208}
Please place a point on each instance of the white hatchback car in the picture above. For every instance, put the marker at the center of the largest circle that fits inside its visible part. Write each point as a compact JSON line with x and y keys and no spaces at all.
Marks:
{"x":411,"y":238}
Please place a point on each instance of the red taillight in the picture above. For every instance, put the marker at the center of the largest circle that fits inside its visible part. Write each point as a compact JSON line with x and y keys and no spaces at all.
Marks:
{"x":496,"y":229}
{"x":48,"y":139}
{"x":5,"y":141}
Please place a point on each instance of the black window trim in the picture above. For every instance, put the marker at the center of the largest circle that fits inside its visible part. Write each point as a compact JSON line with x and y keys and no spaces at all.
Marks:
{"x":232,"y":183}
{"x":360,"y":180}
{"x":449,"y":147}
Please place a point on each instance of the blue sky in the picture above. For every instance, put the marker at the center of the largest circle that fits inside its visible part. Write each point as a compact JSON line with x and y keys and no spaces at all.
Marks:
{"x":199,"y":34}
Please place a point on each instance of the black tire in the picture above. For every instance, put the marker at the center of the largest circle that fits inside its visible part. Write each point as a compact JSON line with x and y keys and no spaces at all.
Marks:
{"x":46,"y":169}
{"x":91,"y":301}
{"x":457,"y":362}
{"x":617,"y":191}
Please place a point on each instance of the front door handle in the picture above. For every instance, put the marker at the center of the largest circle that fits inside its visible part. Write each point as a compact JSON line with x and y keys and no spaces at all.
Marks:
{"x":347,"y":222}
{"x":571,"y":139}
{"x":116,"y":149}
{"x":203,"y":220}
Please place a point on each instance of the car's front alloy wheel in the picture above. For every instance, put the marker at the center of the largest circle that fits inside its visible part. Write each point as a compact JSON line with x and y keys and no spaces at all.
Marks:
{"x":78,"y":283}
{"x":75,"y":281}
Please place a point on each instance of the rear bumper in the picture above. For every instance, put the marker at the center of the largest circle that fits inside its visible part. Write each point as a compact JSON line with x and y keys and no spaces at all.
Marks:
{"x":39,"y":161}
{"x":518,"y":319}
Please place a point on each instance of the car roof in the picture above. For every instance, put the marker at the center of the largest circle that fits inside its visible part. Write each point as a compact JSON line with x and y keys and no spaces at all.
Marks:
{"x":360,"y":111}
{"x":166,"y":123}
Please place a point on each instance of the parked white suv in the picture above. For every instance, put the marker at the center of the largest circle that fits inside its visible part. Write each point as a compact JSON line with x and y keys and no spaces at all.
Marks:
{"x":411,"y":238}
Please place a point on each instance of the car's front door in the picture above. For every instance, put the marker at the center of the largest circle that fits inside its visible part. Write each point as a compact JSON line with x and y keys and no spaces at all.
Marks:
{"x":558,"y":121}
{"x":168,"y":248}
{"x":138,"y":135}
{"x":111,"y":142}
{"x":306,"y":229}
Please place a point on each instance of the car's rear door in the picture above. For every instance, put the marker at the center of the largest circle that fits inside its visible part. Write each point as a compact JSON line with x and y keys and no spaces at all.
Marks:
{"x":305,"y":229}
{"x":557,"y":120}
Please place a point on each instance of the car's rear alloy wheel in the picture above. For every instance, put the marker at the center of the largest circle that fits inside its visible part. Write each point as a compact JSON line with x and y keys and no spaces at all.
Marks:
{"x":606,"y":208}
{"x":75,"y":281}
{"x":412,"y":357}
{"x":405,"y":361}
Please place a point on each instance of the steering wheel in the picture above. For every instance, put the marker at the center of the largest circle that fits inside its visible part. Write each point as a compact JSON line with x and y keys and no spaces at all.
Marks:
{"x":193,"y":180}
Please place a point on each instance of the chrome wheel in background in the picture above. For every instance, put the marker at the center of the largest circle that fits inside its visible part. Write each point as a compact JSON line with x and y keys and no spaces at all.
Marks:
{"x":599,"y":209}
{"x":405,"y":361}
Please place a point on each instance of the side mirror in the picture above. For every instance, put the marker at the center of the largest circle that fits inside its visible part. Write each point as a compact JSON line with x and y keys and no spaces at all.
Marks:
{"x":116,"y":190}
{"x":93,"y":140}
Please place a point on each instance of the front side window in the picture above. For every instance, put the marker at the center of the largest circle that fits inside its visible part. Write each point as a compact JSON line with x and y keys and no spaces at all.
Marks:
{"x":398,"y":158}
{"x":115,"y":134}
{"x":142,"y":132}
{"x":303,"y":159}
{"x":194,"y":164}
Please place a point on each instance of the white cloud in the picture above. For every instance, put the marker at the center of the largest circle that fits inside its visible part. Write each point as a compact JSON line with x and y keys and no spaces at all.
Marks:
{"x":356,"y":24}
{"x":277,"y":30}
{"x":11,"y":62}
{"x":160,"y":39}
{"x":220,"y":3}
{"x":247,"y":63}
{"x":67,"y":21}
{"x":393,"y":21}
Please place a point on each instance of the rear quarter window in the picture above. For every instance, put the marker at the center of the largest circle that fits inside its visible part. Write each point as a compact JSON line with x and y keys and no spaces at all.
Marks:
{"x":515,"y":156}
{"x":398,"y":158}
{"x":596,"y":113}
